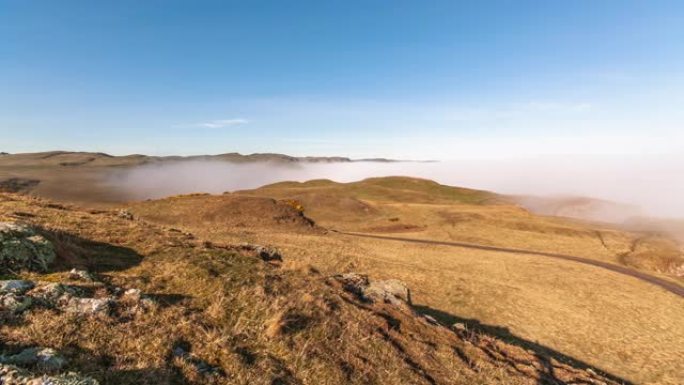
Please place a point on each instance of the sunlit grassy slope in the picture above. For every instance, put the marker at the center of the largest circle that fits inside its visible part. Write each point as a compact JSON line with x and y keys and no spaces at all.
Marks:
{"x":618,"y":323}
{"x":253,"y":322}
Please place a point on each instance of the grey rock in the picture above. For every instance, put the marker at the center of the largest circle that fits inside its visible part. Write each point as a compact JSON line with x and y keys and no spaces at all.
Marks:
{"x":268,"y":253}
{"x":52,"y":294}
{"x":140,"y":301}
{"x":430,"y":319}
{"x":88,"y":306}
{"x":133,"y":294}
{"x":13,"y":375}
{"x":46,"y":359}
{"x":22,"y":248}
{"x":17,"y":286}
{"x":14,"y":303}
{"x":124,"y":214}
{"x":81,"y":275}
{"x":459,"y":327}
{"x":354,"y":282}
{"x":391,"y":291}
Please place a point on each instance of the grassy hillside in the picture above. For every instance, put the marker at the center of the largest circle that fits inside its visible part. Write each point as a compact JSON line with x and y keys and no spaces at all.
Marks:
{"x":622,"y":325}
{"x":219,"y":314}
{"x":424,"y":209}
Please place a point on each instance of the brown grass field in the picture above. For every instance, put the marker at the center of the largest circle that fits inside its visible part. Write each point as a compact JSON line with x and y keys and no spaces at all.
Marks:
{"x":254,"y":322}
{"x":526,"y":315}
{"x":625,"y":326}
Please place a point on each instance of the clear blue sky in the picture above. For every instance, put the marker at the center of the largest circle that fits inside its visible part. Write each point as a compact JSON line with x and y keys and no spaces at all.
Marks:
{"x":412,"y":79}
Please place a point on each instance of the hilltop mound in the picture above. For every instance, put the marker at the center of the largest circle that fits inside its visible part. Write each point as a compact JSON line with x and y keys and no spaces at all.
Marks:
{"x":228,"y":211}
{"x":165,"y":308}
{"x":369,"y":203}
{"x":393,"y":189}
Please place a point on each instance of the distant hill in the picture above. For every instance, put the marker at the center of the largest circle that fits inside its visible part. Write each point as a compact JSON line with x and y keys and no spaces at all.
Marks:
{"x":71,"y":159}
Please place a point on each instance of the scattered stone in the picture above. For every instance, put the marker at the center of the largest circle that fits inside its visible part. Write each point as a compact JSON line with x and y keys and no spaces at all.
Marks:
{"x":22,"y":248}
{"x":142,"y":301}
{"x":12,"y":375}
{"x":45,"y":359}
{"x":53,"y":293}
{"x":125,"y":214}
{"x":391,"y":291}
{"x":146,"y":303}
{"x":14,"y":303}
{"x":354,"y":282}
{"x":88,"y":306}
{"x":430,"y":319}
{"x":16,"y":286}
{"x":459,"y":327}
{"x":268,"y":254}
{"x":133,"y":294}
{"x":81,"y":275}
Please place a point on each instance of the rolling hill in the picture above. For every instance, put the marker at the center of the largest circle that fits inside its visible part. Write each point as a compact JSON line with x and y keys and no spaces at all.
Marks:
{"x":621,"y":324}
{"x":167,"y":307}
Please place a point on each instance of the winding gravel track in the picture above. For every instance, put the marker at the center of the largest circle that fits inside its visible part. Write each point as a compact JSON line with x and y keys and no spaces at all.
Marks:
{"x":667,"y":285}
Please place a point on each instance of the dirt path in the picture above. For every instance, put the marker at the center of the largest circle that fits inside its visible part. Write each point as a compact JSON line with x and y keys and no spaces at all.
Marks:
{"x":667,"y":285}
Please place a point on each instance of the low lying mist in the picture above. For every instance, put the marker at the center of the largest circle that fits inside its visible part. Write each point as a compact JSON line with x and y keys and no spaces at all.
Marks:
{"x":629,"y":187}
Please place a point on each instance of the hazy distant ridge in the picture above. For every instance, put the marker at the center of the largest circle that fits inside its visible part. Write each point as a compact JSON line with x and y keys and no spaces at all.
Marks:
{"x":69,"y":158}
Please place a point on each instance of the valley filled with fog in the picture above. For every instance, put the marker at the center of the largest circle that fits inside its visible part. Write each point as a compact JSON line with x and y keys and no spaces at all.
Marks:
{"x":643,"y":186}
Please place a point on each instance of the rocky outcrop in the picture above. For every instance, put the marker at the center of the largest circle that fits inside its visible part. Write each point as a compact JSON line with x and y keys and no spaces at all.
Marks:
{"x":22,"y":248}
{"x":17,"y":286}
{"x":14,"y":303}
{"x":81,"y":275}
{"x":16,"y":369}
{"x":266,"y":253}
{"x":125,"y":214}
{"x":13,"y":375}
{"x":87,"y":306}
{"x":390,"y":291}
{"x":12,"y":298}
{"x":49,"y":294}
{"x":17,"y":296}
{"x":45,"y":359}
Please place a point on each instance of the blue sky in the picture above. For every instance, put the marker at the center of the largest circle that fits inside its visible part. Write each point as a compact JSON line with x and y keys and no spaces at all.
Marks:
{"x":402,"y":79}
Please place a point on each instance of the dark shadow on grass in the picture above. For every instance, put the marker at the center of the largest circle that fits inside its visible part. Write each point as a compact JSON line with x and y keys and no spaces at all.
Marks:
{"x":97,"y":257}
{"x":165,"y":300}
{"x":101,"y":366}
{"x":541,"y":352}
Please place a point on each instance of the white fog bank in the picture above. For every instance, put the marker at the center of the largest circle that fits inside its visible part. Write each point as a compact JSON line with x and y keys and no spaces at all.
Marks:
{"x":654,"y":184}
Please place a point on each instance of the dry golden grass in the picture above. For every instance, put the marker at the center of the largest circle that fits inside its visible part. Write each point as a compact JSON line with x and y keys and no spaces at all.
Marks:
{"x":256,"y":322}
{"x":416,"y":208}
{"x":617,"y":323}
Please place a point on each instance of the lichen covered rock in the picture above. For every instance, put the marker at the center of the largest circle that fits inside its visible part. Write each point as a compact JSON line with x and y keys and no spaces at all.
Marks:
{"x":16,"y":286}
{"x":13,"y":375}
{"x":88,"y":306}
{"x":45,"y":359}
{"x":22,"y":248}
{"x":14,"y":303}
{"x":81,"y":275}
{"x":52,"y":294}
{"x":390,"y":291}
